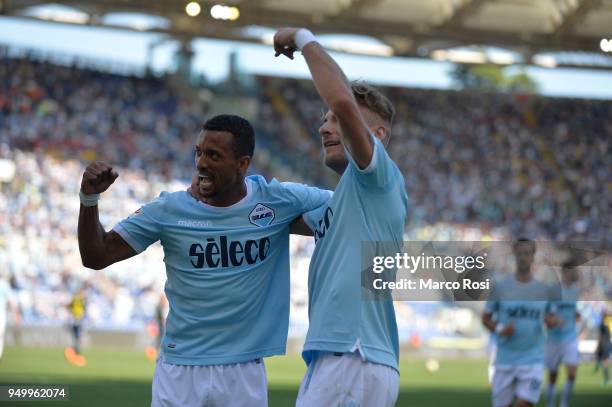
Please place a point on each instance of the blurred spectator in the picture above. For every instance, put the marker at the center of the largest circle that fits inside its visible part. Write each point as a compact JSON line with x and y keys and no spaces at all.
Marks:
{"x":539,"y":166}
{"x":477,"y":166}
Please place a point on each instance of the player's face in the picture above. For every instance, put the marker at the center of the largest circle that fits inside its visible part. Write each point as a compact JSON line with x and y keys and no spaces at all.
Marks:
{"x":333,"y":150}
{"x":220,"y":172}
{"x":524,"y":253}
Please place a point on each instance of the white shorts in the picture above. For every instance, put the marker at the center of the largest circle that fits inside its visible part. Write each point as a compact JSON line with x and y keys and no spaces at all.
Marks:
{"x":235,"y":385}
{"x":562,"y":353}
{"x":523,"y":382}
{"x":347,"y":380}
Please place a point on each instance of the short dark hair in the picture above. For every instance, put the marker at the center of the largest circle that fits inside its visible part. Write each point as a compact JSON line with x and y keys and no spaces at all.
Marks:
{"x":239,"y":127}
{"x":370,"y":97}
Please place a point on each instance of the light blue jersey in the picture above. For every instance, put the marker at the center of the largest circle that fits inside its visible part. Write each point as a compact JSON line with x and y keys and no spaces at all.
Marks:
{"x":566,"y":309}
{"x":368,"y":205}
{"x":526,"y":345}
{"x":227,"y":269}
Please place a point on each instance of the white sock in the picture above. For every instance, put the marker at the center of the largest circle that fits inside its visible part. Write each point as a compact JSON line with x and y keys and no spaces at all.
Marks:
{"x":567,"y":393}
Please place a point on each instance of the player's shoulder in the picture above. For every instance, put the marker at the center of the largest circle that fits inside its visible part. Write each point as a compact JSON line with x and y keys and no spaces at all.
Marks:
{"x":166,"y":200}
{"x":381,"y":163}
{"x":258,"y":184}
{"x":572,"y":294}
{"x":257,"y":180}
{"x":166,"y":197}
{"x":507,"y":282}
{"x":541,"y":284}
{"x":384,"y":155}
{"x":575,"y":290}
{"x":273,"y":184}
{"x":279,"y":189}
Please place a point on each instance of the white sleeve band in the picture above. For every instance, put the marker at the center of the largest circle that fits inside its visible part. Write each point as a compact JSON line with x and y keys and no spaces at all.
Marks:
{"x":89,"y":200}
{"x":303,"y":37}
{"x":499,"y":328}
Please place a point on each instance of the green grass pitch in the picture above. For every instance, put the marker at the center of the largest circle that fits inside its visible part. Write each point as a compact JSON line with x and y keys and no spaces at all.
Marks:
{"x":123,"y":378}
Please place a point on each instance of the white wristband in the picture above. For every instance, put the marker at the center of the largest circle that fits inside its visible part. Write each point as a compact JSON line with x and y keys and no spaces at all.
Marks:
{"x":499,"y":328}
{"x":89,"y":200}
{"x":303,"y":37}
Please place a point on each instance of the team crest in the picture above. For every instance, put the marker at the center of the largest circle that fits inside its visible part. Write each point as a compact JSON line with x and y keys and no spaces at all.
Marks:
{"x":261,"y":215}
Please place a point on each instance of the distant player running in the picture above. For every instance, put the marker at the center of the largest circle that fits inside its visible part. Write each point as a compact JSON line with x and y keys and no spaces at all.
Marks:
{"x":352,"y":346}
{"x":562,"y":340}
{"x":78,"y":310}
{"x":226,"y":247}
{"x":604,"y":347}
{"x":521,"y":307}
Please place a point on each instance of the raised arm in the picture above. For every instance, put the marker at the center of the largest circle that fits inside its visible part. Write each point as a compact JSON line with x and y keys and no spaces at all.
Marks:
{"x":98,"y":248}
{"x":334,"y":89}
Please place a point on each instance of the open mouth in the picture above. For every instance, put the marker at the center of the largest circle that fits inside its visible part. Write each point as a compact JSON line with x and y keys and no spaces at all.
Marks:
{"x":205,"y":181}
{"x":331,"y":143}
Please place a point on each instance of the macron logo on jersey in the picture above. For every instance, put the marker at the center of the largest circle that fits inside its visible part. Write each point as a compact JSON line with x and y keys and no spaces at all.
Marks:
{"x":195,"y":223}
{"x":261,"y":215}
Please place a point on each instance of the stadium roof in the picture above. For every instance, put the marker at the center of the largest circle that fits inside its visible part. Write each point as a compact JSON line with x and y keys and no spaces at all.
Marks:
{"x":543,"y":32}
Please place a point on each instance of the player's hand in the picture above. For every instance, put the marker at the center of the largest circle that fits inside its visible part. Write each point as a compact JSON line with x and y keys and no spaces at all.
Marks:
{"x":194,"y":189}
{"x":284,"y":42}
{"x":552,"y":321}
{"x":98,"y":176}
{"x":508,"y":330}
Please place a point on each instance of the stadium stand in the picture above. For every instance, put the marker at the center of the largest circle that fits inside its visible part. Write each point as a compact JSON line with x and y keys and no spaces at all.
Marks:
{"x":455,"y":149}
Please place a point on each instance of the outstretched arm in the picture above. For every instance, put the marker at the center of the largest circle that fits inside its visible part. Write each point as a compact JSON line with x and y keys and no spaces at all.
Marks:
{"x":334,"y":89}
{"x":98,"y":248}
{"x":299,"y":227}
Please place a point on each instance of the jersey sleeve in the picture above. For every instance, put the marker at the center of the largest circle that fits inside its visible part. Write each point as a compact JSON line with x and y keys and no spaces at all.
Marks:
{"x":311,"y":218}
{"x":141,"y":229}
{"x":380,"y":173}
{"x":307,"y":198}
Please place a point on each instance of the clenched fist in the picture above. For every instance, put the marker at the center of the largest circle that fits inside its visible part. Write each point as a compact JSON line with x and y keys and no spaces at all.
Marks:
{"x":284,"y":42}
{"x":97,"y":178}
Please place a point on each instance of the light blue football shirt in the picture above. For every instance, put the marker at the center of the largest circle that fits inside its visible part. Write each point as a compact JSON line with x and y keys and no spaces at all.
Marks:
{"x":227,"y":269}
{"x":566,"y":309}
{"x":526,"y":345}
{"x":368,"y":206}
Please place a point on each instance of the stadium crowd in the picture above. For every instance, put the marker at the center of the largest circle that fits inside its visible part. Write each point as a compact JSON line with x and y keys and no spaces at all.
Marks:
{"x":475,"y":164}
{"x":537,"y":166}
